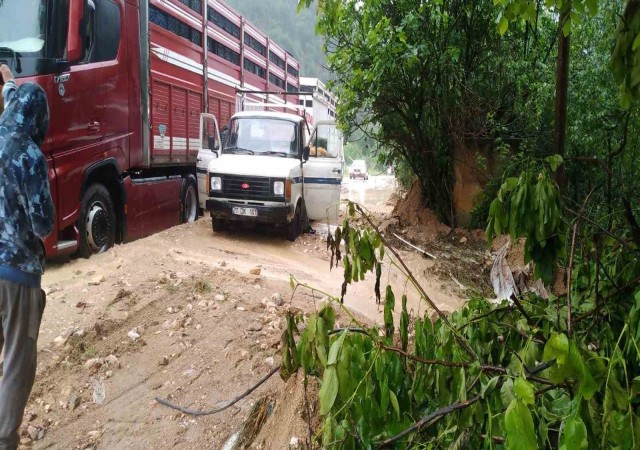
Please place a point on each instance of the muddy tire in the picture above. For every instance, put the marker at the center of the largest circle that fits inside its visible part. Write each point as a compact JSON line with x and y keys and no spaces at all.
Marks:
{"x":217,"y":225}
{"x":97,"y":221}
{"x":294,"y":228}
{"x":189,"y":200}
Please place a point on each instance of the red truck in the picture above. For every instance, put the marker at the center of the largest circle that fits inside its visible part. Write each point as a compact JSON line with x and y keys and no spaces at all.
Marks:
{"x":127,"y":82}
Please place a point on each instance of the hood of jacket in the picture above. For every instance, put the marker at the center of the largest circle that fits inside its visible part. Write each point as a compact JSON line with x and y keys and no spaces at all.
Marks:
{"x":28,"y":113}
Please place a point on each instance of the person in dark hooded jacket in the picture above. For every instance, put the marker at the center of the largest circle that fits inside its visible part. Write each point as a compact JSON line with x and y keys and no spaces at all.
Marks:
{"x":26,"y":218}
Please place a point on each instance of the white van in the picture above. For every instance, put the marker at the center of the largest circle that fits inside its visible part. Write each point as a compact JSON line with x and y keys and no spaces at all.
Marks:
{"x":269,"y":171}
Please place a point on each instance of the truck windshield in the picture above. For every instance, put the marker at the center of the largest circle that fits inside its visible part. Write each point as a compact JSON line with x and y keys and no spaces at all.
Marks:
{"x":23,"y":25}
{"x":266,"y":136}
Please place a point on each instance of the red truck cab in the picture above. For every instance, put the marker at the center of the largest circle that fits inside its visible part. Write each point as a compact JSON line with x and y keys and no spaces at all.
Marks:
{"x":127,"y":81}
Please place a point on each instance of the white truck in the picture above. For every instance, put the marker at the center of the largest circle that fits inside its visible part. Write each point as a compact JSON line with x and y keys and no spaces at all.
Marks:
{"x":270,"y":171}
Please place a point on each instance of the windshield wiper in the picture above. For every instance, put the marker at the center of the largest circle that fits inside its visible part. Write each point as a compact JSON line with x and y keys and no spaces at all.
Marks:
{"x":238,"y":149}
{"x":283,"y":154}
{"x":16,"y":57}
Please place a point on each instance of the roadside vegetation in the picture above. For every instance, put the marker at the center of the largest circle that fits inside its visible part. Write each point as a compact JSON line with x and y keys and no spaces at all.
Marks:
{"x":550,"y":88}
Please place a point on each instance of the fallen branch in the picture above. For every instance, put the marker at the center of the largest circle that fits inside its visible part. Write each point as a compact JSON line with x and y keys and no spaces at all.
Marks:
{"x":429,"y":420}
{"x":194,"y":412}
{"x":460,"y":339}
{"x":424,"y":252}
{"x":455,"y":280}
{"x":531,"y":372}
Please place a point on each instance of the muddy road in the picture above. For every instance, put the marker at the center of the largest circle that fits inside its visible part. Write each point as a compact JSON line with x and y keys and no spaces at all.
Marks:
{"x":192,"y":316}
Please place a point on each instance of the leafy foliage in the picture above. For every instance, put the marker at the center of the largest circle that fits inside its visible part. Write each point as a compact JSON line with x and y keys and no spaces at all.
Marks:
{"x":530,"y":207}
{"x":527,"y":382}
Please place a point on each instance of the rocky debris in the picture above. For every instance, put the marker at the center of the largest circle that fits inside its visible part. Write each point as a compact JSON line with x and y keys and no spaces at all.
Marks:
{"x":94,"y":365}
{"x":277,"y":299}
{"x":70,"y":399}
{"x":220,"y":298}
{"x":121,"y":295}
{"x":36,"y":433}
{"x":97,"y":280}
{"x":99,"y":394}
{"x":164,"y":361}
{"x":26,"y":442}
{"x":256,"y":326}
{"x":190,"y":373}
{"x":72,"y":402}
{"x":463,"y":240}
{"x":134,"y":334}
{"x":270,"y":361}
{"x":223,"y":264}
{"x":72,"y":331}
{"x":112,"y":360}
{"x":256,"y":271}
{"x":294,"y":443}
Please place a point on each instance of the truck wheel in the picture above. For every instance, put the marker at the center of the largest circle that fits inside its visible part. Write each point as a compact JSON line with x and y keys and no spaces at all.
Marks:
{"x":294,"y":227}
{"x":189,"y":200}
{"x":97,"y":221}
{"x":217,"y":224}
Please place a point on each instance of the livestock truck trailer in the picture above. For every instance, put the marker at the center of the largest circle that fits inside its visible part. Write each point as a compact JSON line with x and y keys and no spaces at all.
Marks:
{"x":127,"y":82}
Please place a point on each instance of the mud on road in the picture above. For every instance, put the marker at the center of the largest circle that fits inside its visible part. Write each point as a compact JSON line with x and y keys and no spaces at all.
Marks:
{"x":191,"y":316}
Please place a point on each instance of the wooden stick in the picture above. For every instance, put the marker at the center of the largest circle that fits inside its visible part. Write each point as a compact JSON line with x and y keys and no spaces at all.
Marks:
{"x":414,"y":247}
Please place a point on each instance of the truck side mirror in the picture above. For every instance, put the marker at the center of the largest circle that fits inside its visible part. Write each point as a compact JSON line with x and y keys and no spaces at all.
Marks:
{"x":306,"y":153}
{"x":74,"y":38}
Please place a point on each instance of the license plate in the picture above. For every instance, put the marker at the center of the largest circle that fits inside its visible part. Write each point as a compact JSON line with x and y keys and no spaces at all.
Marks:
{"x":250,"y":212}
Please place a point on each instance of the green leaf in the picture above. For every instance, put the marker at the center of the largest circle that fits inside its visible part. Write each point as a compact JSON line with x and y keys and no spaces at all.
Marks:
{"x":566,"y":28}
{"x":555,"y":161}
{"x":329,"y":390}
{"x":518,"y":425}
{"x":557,"y":347}
{"x":524,"y":391}
{"x":394,"y":403}
{"x":488,"y":387}
{"x":573,"y":434}
{"x":636,"y":43}
{"x":503,"y":25}
{"x":506,"y":392}
{"x":335,"y":349}
{"x":592,"y":6}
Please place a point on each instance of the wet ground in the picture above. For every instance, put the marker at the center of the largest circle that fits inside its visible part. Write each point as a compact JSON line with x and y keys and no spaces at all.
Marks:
{"x":201,"y":299}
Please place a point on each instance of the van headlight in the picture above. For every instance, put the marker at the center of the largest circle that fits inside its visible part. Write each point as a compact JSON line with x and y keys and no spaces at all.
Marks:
{"x":278,"y":188}
{"x":216,"y":183}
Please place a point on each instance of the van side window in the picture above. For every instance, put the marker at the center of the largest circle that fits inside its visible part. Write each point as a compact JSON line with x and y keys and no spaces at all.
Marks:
{"x":326,"y":142}
{"x":102,"y":31}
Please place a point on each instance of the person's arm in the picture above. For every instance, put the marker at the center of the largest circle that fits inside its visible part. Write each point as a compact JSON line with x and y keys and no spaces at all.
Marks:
{"x":10,"y":85}
{"x":36,"y":183}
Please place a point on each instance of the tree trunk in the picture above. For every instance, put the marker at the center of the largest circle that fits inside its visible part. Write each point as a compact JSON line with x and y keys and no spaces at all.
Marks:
{"x":562,"y":90}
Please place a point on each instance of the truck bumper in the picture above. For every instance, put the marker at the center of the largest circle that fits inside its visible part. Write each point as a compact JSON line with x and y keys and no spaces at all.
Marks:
{"x":266,"y":214}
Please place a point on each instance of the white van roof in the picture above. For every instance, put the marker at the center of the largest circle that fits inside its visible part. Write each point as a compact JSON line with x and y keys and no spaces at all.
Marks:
{"x":268,"y":114}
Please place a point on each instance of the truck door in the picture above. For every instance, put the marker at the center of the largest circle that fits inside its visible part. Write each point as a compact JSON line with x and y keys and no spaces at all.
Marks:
{"x":209,"y":147}
{"x":322,"y":174}
{"x":79,"y":125}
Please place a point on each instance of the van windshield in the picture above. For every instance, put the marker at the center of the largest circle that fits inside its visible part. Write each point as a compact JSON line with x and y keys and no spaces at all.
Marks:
{"x":23,"y":25}
{"x":263,"y":136}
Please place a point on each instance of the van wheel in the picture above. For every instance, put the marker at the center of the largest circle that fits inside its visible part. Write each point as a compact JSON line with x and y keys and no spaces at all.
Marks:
{"x":97,"y":221}
{"x":217,"y":224}
{"x":305,"y":225}
{"x":189,"y":200}
{"x":294,"y":227}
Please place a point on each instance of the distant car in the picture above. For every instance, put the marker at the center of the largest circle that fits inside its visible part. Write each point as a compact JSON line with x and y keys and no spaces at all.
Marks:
{"x":358,"y":169}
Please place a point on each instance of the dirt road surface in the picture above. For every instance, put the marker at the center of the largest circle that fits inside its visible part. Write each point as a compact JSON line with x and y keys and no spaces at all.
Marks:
{"x":192,"y":316}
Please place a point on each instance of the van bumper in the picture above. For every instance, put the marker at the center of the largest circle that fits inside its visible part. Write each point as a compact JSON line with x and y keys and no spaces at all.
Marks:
{"x":280,"y":214}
